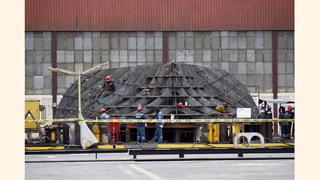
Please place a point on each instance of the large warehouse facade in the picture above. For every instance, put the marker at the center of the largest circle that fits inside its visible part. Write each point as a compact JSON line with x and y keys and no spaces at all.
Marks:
{"x":253,"y":40}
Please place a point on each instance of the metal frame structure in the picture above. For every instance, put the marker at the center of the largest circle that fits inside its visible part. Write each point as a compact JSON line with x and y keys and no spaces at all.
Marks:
{"x":161,"y":86}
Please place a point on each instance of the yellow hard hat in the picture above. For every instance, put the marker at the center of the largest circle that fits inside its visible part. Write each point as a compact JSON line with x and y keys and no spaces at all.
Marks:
{"x":220,"y":108}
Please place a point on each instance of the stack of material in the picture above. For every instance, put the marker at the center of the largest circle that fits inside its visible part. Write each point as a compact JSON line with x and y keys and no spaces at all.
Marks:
{"x":200,"y":90}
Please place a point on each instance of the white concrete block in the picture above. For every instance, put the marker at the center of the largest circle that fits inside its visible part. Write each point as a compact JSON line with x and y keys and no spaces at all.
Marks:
{"x":105,"y":56}
{"x":95,"y":34}
{"x":290,"y":80}
{"x":242,"y":68}
{"x":242,"y":41}
{"x":225,"y":66}
{"x":188,"y":34}
{"x":180,"y":56}
{"x":87,"y":34}
{"x":141,"y":42}
{"x":132,"y":43}
{"x":123,"y":64}
{"x":78,"y":67}
{"x":259,"y":43}
{"x":141,"y":34}
{"x":158,"y":34}
{"x":180,"y":34}
{"x":233,"y":55}
{"x":87,"y":43}
{"x":251,"y":55}
{"x":215,"y":34}
{"x":104,"y":43}
{"x":29,"y":43}
{"x":123,"y":55}
{"x":259,"y":68}
{"x":225,"y":42}
{"x":149,"y":42}
{"x":233,"y":42}
{"x":87,"y":56}
{"x":38,"y":82}
{"x":78,"y":43}
{"x":60,"y":56}
{"x":224,"y":33}
{"x":206,"y":55}
{"x":132,"y":56}
{"x":150,"y":55}
{"x":46,"y":71}
{"x":251,"y":68}
{"x":267,"y":68}
{"x":158,"y":42}
{"x":158,"y":55}
{"x":141,"y":55}
{"x":69,"y":56}
{"x":189,"y":56}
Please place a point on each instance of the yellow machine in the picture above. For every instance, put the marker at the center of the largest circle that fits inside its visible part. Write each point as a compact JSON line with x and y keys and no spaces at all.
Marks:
{"x":31,"y":113}
{"x":214,"y":133}
{"x":96,"y":131}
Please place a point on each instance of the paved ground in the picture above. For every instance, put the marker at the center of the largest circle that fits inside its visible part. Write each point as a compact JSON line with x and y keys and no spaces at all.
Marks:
{"x":213,"y":169}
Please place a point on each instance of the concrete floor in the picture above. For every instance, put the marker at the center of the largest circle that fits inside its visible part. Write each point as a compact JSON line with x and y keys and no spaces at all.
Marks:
{"x":221,"y":169}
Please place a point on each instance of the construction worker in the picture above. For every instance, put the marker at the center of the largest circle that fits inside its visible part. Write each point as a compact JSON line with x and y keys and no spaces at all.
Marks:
{"x":286,"y":126}
{"x":104,"y":115}
{"x":159,"y":125}
{"x":107,"y":88}
{"x":140,"y":125}
{"x":104,"y":126}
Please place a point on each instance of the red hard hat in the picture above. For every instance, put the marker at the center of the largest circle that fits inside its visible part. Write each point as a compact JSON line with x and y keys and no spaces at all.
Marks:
{"x":139,"y":108}
{"x":107,"y":78}
{"x":102,"y":109}
{"x":180,"y":104}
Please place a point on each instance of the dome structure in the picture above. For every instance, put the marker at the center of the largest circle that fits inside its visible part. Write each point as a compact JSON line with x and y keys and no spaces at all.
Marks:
{"x":200,"y":89}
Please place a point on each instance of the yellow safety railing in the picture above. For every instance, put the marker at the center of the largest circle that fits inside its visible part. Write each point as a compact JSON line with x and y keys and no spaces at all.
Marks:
{"x":233,"y":120}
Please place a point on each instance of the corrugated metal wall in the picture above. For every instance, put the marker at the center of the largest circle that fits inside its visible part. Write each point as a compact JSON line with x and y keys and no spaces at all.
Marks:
{"x":159,"y":15}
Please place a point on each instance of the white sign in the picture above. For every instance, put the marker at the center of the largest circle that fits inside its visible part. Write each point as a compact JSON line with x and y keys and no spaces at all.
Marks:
{"x":243,"y":112}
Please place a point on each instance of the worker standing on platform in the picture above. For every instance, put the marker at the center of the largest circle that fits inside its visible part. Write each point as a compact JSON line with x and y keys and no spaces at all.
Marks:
{"x":286,"y":126}
{"x":104,"y":125}
{"x":107,"y":88}
{"x":140,"y":125}
{"x":159,"y":125}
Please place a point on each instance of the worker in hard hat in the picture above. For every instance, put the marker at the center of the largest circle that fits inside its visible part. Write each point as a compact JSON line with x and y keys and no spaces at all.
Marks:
{"x":159,"y":125}
{"x":107,"y":88}
{"x":286,"y":126}
{"x":104,"y":114}
{"x":104,"y":125}
{"x":140,"y":125}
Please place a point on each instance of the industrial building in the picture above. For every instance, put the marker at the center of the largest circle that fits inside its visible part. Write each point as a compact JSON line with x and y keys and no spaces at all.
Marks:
{"x":252,"y":40}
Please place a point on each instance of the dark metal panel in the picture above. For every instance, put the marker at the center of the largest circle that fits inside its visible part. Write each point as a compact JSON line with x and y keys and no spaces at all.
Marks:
{"x":155,"y":15}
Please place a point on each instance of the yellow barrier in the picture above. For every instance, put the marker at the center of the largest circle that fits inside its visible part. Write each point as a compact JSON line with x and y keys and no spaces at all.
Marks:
{"x":39,"y":148}
{"x":168,"y":120}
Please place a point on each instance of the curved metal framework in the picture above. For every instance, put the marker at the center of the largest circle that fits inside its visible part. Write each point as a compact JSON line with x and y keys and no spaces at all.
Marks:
{"x":201,"y":89}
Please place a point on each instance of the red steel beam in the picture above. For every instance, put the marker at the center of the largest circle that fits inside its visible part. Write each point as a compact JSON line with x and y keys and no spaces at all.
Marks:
{"x":275,"y":70}
{"x":165,"y":54}
{"x":54,"y":74}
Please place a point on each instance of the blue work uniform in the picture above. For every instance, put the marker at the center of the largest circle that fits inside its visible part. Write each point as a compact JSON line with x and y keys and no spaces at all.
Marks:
{"x":159,"y":125}
{"x":108,"y":87}
{"x":140,"y":127}
{"x":105,"y":116}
